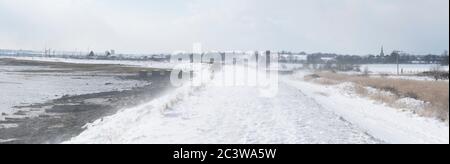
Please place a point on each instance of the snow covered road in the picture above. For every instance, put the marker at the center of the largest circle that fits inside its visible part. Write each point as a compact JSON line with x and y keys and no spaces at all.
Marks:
{"x":300,"y":113}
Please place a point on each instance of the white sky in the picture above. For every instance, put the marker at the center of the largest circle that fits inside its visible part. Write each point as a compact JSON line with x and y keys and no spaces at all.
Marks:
{"x":138,"y":26}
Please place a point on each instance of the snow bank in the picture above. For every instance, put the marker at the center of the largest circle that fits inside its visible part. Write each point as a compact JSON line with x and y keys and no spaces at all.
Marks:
{"x":150,"y":64}
{"x":300,"y":113}
{"x":129,"y":124}
{"x":407,"y":68}
{"x":22,"y":89}
{"x":227,"y":115}
{"x":411,"y":104}
{"x":380,"y":121}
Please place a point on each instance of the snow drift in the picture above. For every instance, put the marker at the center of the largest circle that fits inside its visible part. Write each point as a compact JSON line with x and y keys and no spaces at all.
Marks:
{"x":299,"y":113}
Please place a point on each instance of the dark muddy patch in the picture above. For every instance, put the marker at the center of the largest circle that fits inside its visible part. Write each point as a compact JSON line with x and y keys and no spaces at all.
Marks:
{"x":64,"y":118}
{"x":61,"y":119}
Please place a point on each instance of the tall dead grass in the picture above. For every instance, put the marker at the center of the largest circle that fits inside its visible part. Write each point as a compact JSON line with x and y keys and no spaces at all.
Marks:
{"x":434,"y":92}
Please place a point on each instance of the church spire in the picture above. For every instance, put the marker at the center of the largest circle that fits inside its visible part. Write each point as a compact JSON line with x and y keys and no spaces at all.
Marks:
{"x":382,"y":51}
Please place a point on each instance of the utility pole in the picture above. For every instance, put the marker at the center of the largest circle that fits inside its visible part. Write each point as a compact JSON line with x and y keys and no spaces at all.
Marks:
{"x":268,"y":58}
{"x":398,"y":63}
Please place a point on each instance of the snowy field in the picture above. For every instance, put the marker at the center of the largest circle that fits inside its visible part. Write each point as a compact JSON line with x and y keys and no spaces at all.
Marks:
{"x":407,"y":68}
{"x":150,"y":64}
{"x":410,"y":77}
{"x":386,"y":123}
{"x":302,"y":112}
{"x":21,"y":89}
{"x":290,"y":66}
{"x":410,"y":71}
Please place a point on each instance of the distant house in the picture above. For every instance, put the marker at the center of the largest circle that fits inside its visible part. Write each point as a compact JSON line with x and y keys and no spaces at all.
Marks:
{"x":293,"y":58}
{"x":160,"y":57}
{"x":418,"y":62}
{"x":328,"y":59}
{"x":91,"y":54}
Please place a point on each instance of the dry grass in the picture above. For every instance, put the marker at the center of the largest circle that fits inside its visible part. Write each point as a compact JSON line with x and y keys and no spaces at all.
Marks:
{"x":386,"y":98}
{"x":434,"y":92}
{"x":327,"y":81}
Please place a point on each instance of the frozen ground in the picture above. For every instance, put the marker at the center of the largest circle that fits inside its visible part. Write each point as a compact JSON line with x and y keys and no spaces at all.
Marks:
{"x":388,"y":124}
{"x":45,"y":102}
{"x":150,"y":64}
{"x":412,"y":77}
{"x":22,"y":88}
{"x":301,"y":113}
{"x":290,"y":66}
{"x":407,"y":68}
{"x":410,"y":71}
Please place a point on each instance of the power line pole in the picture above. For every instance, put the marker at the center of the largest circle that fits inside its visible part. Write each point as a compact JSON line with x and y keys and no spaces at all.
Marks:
{"x":398,"y":64}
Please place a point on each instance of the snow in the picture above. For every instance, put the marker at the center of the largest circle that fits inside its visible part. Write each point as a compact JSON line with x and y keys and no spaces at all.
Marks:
{"x":380,"y":121}
{"x":302,"y":112}
{"x":411,"y":104}
{"x":392,"y":74}
{"x":6,"y":126}
{"x":8,"y":140}
{"x":416,"y":78}
{"x":290,"y":66}
{"x":217,"y":114}
{"x":19,"y":89}
{"x":406,"y":103}
{"x":151,"y":64}
{"x":407,"y":68}
{"x":374,"y":91}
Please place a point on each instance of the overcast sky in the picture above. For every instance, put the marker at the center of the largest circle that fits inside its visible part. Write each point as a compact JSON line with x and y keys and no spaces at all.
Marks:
{"x":144,"y":26}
